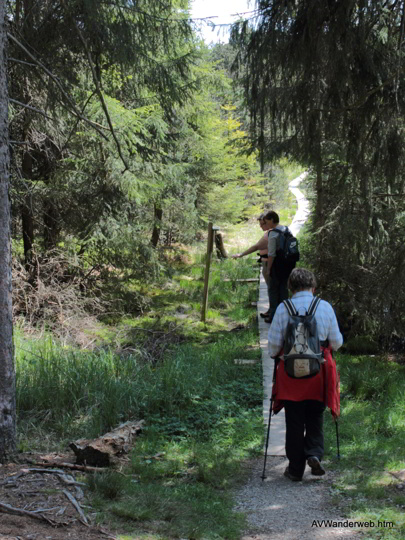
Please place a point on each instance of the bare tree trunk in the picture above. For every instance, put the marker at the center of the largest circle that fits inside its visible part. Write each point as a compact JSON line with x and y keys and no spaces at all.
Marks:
{"x":367,"y":204}
{"x":157,"y":225}
{"x":7,"y":373}
{"x":319,"y":212}
{"x":27,"y":216}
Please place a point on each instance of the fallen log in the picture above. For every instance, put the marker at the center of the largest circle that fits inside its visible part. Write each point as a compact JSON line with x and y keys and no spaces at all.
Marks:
{"x":98,"y":452}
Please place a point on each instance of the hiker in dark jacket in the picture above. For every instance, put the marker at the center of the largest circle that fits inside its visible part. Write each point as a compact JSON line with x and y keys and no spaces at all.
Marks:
{"x":305,"y":399}
{"x":277,"y":284}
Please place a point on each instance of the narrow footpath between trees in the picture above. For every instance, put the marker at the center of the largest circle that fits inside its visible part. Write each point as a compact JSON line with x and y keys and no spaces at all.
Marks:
{"x":276,"y":508}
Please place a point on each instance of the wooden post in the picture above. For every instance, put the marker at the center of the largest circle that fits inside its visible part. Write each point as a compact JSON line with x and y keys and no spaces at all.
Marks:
{"x":210,"y":244}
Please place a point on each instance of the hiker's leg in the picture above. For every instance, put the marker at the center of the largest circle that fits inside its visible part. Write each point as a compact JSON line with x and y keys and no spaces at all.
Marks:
{"x":313,"y":442}
{"x":294,"y":440}
{"x":267,"y":280}
{"x":264,"y":271}
{"x":274,"y":294}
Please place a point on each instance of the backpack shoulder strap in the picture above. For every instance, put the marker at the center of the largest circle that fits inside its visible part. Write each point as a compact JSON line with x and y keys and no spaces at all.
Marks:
{"x":290,"y":308}
{"x":313,"y":306}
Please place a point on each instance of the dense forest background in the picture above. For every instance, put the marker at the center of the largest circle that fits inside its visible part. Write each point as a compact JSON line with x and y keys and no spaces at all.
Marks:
{"x":129,"y":134}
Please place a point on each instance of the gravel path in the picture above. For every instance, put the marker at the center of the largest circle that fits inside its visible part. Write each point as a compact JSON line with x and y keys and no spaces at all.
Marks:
{"x":279,"y":509}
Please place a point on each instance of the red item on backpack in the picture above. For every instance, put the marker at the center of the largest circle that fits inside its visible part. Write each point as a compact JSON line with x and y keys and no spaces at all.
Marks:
{"x":325,"y":386}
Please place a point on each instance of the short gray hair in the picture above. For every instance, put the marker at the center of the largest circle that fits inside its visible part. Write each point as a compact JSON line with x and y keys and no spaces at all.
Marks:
{"x":301,"y":279}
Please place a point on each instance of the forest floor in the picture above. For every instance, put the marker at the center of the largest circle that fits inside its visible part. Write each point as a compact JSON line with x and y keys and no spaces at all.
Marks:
{"x":53,"y":501}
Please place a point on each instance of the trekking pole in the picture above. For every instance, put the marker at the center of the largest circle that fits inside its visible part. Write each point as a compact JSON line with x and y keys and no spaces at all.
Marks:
{"x":337,"y":438}
{"x":263,"y":477}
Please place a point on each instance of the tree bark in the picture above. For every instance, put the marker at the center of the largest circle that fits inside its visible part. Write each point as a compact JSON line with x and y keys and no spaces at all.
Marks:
{"x":51,"y":226}
{"x":27,"y":215}
{"x":7,"y":372}
{"x":319,"y":213}
{"x":367,"y":206}
{"x":156,"y":225}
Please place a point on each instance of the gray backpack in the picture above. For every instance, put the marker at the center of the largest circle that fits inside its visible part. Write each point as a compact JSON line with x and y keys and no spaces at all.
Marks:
{"x":302,"y":348}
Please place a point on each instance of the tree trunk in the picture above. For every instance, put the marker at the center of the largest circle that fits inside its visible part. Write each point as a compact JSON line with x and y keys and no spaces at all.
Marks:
{"x":7,"y":373}
{"x":367,"y":207}
{"x":27,"y":216}
{"x":51,"y":226}
{"x":156,"y":225}
{"x":319,"y":214}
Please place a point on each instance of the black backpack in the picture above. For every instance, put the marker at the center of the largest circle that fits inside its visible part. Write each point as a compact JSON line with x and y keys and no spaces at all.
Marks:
{"x":287,"y":254}
{"x":302,"y":348}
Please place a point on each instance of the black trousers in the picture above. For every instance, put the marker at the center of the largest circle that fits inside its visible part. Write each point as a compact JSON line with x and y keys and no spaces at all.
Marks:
{"x":278,"y":291}
{"x":304,"y":433}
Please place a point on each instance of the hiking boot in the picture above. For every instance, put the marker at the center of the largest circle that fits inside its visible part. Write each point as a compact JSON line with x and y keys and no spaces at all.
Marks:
{"x":268,"y":320}
{"x":265,"y":314}
{"x":316,"y":467}
{"x":287,"y":474}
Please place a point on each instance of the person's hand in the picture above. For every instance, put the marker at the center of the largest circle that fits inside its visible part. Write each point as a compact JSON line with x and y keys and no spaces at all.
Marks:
{"x":237,"y":256}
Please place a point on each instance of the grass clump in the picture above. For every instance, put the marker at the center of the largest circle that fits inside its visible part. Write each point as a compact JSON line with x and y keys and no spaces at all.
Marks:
{"x":372,"y":431}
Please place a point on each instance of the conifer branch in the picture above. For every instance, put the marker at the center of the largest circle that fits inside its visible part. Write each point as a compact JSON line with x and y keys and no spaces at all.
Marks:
{"x":73,"y":109}
{"x":97,"y":85}
{"x":26,"y":106}
{"x":11,"y":59}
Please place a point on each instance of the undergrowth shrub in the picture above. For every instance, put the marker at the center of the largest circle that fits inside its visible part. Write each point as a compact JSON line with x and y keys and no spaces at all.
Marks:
{"x":375,"y":379}
{"x":109,"y":484}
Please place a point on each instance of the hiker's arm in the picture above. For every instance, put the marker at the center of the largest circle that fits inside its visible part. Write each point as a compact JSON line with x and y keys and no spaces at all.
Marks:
{"x":261,"y":244}
{"x":276,"y":332}
{"x":271,"y":250}
{"x":269,"y":264}
{"x":334,"y":336}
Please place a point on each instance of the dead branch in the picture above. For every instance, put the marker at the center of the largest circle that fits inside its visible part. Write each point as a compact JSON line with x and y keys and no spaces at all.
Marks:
{"x":16,"y":60}
{"x":77,"y":506}
{"x":84,"y":468}
{"x":26,"y":106}
{"x":39,"y":510}
{"x":66,"y":479}
{"x":12,"y":479}
{"x":19,"y":512}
